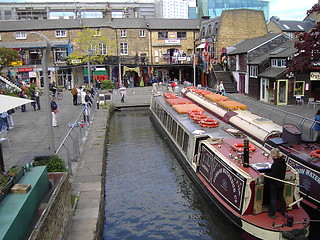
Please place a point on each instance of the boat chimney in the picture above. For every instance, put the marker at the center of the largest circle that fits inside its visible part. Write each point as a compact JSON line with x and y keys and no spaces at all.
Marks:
{"x":246,"y":153}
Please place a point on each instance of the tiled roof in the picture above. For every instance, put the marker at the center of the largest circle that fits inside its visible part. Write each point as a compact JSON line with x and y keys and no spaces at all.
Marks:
{"x":27,"y":25}
{"x":41,"y":44}
{"x":272,"y":72}
{"x":294,"y":26}
{"x":282,"y":51}
{"x":249,"y":44}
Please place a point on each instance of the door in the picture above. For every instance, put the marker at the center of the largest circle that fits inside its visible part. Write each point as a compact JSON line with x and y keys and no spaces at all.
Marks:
{"x":242,"y":83}
{"x":263,"y":90}
{"x":282,"y":92}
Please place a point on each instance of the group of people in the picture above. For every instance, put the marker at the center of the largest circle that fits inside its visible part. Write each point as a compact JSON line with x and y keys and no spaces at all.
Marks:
{"x":219,"y":88}
{"x":83,"y":96}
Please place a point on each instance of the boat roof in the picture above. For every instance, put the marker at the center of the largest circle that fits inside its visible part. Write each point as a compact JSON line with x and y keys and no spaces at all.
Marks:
{"x":191,"y":126}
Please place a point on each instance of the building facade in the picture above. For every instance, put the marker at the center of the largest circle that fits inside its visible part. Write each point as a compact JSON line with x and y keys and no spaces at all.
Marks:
{"x":136,"y":51}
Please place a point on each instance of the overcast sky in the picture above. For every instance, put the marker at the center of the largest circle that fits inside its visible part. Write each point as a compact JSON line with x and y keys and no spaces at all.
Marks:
{"x":290,"y":9}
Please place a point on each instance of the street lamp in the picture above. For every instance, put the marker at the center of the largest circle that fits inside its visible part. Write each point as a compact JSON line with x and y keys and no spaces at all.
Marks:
{"x":44,"y":62}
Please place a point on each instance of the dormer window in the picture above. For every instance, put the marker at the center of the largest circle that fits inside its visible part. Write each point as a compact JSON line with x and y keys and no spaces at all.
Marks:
{"x":278,"y":62}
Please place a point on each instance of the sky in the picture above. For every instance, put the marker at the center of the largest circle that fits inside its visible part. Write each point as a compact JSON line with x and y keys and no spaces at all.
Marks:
{"x":290,"y":9}
{"x":284,"y":9}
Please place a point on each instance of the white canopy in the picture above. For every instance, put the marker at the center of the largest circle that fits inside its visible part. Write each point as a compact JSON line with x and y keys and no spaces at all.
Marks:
{"x":8,"y":102}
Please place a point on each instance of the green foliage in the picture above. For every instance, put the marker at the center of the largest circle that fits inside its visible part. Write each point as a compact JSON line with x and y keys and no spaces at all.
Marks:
{"x":10,"y":92}
{"x":30,"y":90}
{"x":3,"y":179}
{"x":107,"y":84}
{"x":53,"y":163}
{"x":7,"y":56}
{"x":88,"y":42}
{"x":14,"y":170}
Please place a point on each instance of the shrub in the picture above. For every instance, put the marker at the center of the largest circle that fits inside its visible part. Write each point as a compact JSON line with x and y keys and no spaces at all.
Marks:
{"x":107,"y":84}
{"x":53,"y":163}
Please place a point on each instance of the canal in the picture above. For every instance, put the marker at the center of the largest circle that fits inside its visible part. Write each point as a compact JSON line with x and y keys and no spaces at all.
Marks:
{"x":148,"y":194}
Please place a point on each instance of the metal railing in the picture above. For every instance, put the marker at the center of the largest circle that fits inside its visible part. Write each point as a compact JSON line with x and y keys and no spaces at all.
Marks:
{"x":279,"y":116}
{"x":72,"y":144}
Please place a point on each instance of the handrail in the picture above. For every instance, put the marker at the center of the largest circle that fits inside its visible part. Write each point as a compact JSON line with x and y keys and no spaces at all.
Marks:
{"x":75,"y":146}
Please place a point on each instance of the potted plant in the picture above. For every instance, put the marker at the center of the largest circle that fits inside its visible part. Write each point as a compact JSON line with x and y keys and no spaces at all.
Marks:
{"x":16,"y":172}
{"x":5,"y":185}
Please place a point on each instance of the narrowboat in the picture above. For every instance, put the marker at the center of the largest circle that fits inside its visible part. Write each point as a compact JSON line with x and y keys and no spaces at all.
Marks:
{"x":226,"y":165}
{"x":302,"y":155}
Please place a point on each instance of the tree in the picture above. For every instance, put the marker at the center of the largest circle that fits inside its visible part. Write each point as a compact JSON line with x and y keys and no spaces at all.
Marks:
{"x":90,"y":43}
{"x":308,"y":47}
{"x":7,"y":56}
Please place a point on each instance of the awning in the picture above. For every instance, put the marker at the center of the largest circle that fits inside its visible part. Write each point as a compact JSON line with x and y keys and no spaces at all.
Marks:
{"x":202,"y":45}
{"x":8,"y":102}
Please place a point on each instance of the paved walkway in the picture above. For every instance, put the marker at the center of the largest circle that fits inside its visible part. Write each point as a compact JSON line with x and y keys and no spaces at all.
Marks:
{"x":87,"y":181}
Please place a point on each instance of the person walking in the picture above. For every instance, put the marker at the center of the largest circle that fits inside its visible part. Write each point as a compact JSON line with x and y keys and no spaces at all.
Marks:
{"x":35,"y":96}
{"x":278,"y":171}
{"x":217,"y":87}
{"x":24,"y":106}
{"x":317,"y":125}
{"x":74,"y":92}
{"x":9,"y":118}
{"x":221,"y":88}
{"x":54,"y":112}
{"x":123,"y":92}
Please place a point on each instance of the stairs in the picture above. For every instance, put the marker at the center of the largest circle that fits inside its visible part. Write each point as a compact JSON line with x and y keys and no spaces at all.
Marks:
{"x":225,"y":77}
{"x":11,"y":84}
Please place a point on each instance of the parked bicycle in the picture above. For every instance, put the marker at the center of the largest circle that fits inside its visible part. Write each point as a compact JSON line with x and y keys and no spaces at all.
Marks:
{"x":58,"y":95}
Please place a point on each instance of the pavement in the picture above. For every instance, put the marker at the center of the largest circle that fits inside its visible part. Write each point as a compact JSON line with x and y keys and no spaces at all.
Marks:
{"x":88,"y":170}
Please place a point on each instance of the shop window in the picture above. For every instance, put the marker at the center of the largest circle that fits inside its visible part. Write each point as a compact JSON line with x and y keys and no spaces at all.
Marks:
{"x":123,"y":48}
{"x":299,"y":88}
{"x":21,"y":35}
{"x":61,"y":33}
{"x":162,"y":35}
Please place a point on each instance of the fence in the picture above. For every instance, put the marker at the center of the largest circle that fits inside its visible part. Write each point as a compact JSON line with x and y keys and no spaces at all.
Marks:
{"x":72,"y":144}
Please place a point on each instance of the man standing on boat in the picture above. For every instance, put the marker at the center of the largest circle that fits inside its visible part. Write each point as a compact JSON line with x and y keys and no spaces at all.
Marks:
{"x":278,"y":171}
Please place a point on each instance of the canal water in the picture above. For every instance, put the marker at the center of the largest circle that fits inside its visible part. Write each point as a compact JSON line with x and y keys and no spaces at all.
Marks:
{"x":148,"y":194}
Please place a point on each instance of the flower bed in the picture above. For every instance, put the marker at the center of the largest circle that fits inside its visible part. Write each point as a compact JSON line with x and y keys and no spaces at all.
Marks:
{"x":9,"y":179}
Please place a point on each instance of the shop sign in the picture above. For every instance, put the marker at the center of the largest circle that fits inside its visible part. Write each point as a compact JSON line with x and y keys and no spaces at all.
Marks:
{"x":315,"y":76}
{"x":25,"y":69}
{"x":172,"y":41}
{"x":16,"y":63}
{"x":32,"y":74}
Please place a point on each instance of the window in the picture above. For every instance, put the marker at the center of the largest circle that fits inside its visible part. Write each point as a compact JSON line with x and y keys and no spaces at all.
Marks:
{"x":21,"y":35}
{"x":278,"y":62}
{"x":61,"y":33}
{"x":123,"y":48}
{"x":103,"y":49}
{"x":253,"y":71}
{"x":97,"y":32}
{"x":210,"y":29}
{"x":203,"y":32}
{"x":181,"y":35}
{"x":60,"y":54}
{"x":142,"y":33}
{"x":299,"y":88}
{"x":123,"y":33}
{"x":162,"y":35}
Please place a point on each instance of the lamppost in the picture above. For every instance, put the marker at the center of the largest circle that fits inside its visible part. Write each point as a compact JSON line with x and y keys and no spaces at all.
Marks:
{"x":44,"y":62}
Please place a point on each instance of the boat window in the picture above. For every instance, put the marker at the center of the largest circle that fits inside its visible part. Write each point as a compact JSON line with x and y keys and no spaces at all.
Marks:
{"x":170,"y":120}
{"x":165,"y":118}
{"x":174,"y":129}
{"x":185,"y":142}
{"x":180,"y":135}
